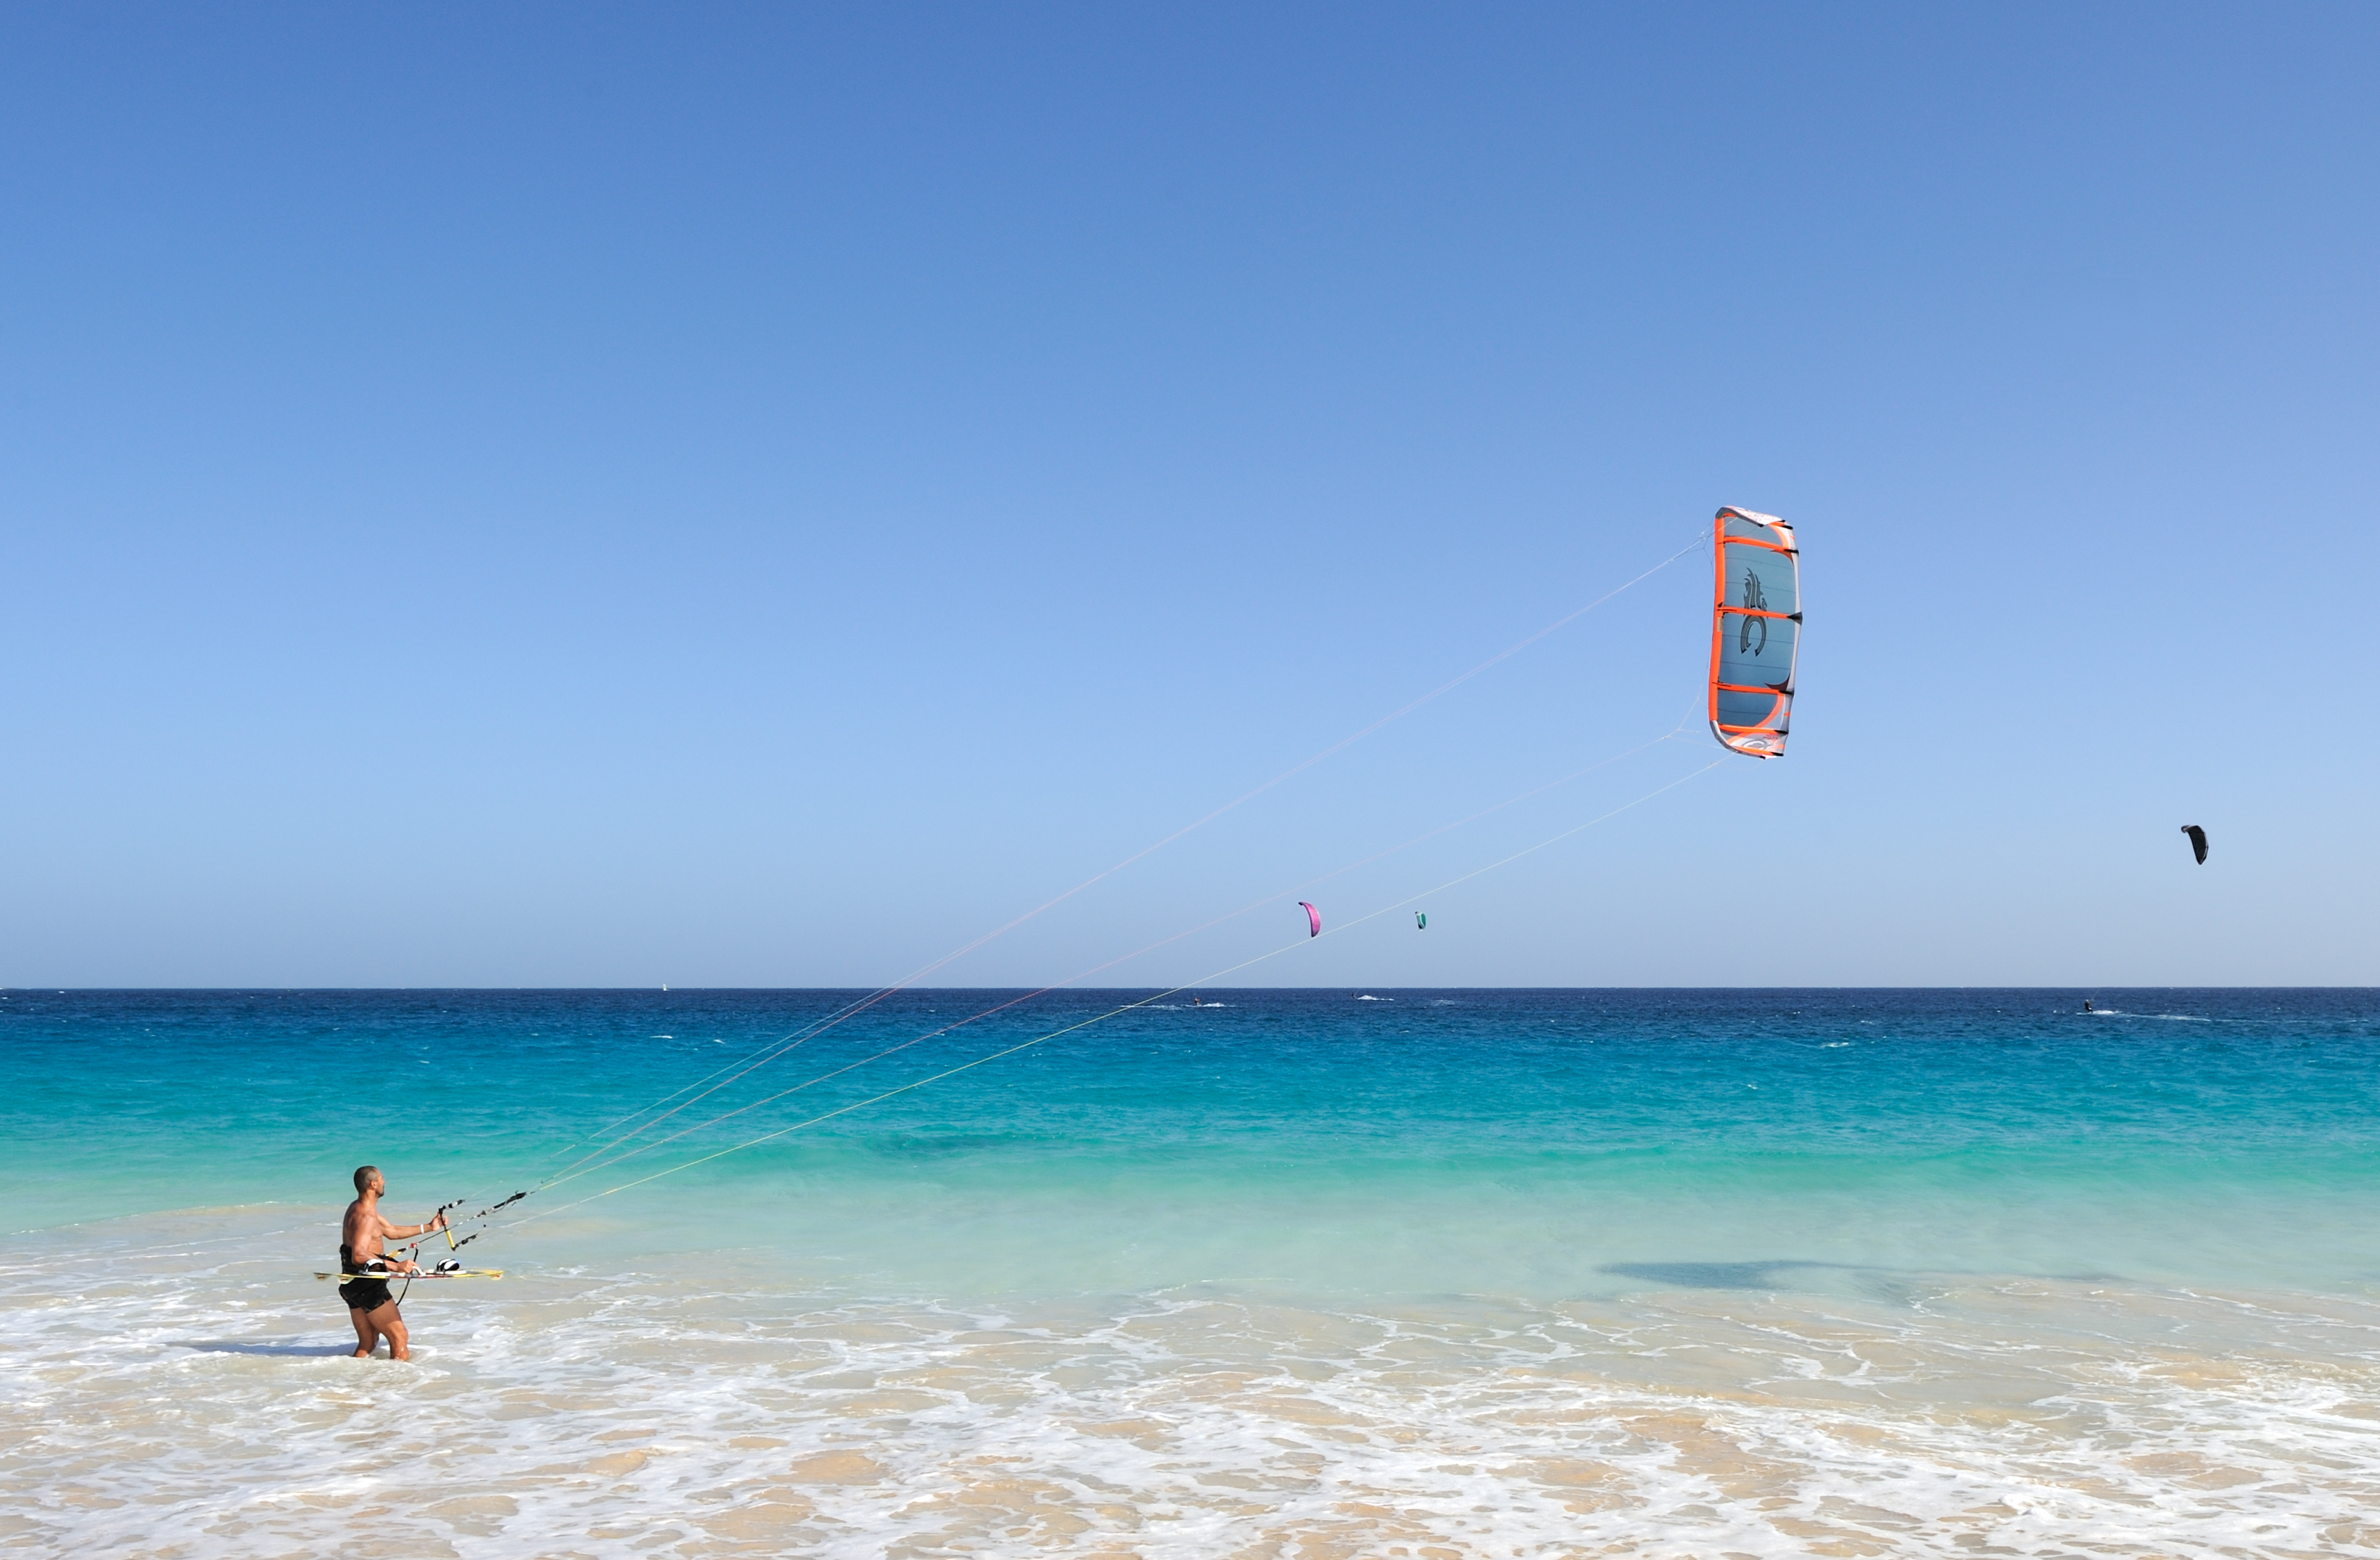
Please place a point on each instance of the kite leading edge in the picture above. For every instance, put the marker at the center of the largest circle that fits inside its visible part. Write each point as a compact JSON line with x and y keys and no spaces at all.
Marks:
{"x":1756,"y":631}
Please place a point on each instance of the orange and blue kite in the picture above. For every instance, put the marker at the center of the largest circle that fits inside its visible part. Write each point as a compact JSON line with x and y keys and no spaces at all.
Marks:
{"x":1756,"y":631}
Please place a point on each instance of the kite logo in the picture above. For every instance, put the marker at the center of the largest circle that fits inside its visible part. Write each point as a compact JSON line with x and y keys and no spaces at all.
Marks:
{"x":1755,"y":599}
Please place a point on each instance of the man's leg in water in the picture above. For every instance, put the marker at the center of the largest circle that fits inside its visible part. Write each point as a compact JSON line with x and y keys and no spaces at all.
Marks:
{"x":390,"y":1326}
{"x":367,"y":1336}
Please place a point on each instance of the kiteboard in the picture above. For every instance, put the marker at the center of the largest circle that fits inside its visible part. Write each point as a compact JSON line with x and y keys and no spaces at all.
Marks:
{"x":425,"y":1275}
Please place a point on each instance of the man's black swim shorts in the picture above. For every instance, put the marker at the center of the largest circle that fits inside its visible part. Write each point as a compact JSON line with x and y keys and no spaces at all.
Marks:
{"x":366,"y":1295}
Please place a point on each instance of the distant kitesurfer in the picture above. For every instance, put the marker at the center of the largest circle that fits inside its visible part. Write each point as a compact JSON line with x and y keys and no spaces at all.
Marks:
{"x":363,"y":1238}
{"x":2086,"y":1005}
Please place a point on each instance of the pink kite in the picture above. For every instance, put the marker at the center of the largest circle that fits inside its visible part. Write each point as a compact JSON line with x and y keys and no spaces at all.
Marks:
{"x":1313,"y":919}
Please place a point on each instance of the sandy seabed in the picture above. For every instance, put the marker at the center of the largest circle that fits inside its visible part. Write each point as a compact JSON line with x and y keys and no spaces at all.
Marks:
{"x":179,"y":1388}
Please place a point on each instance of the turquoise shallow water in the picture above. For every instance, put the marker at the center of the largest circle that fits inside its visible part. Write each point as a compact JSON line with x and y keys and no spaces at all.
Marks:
{"x":1537,"y":1273}
{"x":1530,"y":1140}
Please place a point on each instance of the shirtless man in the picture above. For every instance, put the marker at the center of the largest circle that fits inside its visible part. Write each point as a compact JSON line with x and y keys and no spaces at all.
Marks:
{"x":363,"y":1238}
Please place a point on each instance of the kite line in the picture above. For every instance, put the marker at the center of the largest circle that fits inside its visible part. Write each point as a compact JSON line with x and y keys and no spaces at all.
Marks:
{"x":1100,"y":1017}
{"x":704,"y":1087}
{"x":596,"y":1162}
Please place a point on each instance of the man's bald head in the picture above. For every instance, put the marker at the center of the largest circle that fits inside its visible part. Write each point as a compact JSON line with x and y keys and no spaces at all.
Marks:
{"x":365,"y":1176}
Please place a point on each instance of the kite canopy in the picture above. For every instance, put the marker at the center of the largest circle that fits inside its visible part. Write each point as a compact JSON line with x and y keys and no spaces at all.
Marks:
{"x":1756,"y":631}
{"x":1313,"y":919}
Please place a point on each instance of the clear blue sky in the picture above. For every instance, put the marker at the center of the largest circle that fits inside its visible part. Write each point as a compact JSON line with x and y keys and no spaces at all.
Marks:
{"x":760,"y":495}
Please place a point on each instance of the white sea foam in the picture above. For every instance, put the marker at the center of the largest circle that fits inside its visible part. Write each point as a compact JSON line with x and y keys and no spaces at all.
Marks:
{"x":191,"y":1400}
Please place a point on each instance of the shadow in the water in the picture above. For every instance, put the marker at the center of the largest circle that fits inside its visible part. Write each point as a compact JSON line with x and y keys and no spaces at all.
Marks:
{"x":1710,"y":1276}
{"x":302,"y":1351}
{"x":1764,"y":1275}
